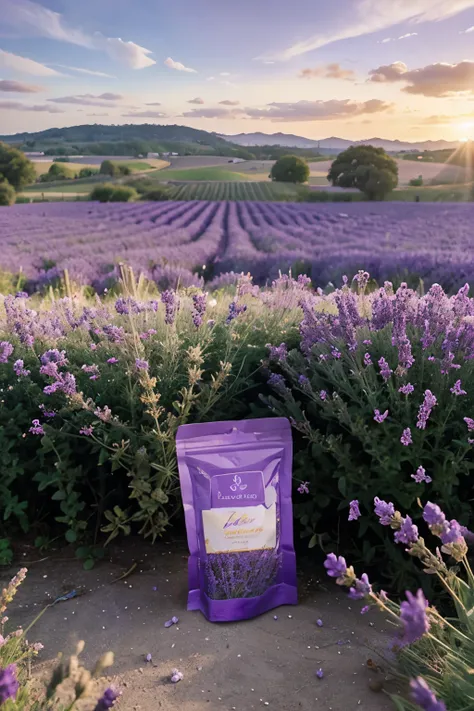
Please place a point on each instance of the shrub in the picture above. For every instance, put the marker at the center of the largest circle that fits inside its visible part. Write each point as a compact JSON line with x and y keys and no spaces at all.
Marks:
{"x":109,"y":168}
{"x":87,"y":172}
{"x":290,"y":169}
{"x":380,"y":390}
{"x":158,"y":194}
{"x":434,"y":651}
{"x":15,"y":167}
{"x":62,"y":159}
{"x":416,"y":182}
{"x":109,"y":192}
{"x":7,"y":193}
{"x":22,"y":200}
{"x":57,"y":171}
{"x":369,"y":169}
{"x":124,"y":169}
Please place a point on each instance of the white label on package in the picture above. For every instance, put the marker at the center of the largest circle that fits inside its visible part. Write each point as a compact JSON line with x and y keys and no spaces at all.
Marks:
{"x":244,"y":528}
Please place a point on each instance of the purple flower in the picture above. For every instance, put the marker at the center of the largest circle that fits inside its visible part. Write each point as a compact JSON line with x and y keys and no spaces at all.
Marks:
{"x":277,"y":382}
{"x":303,"y":381}
{"x":408,"y":532}
{"x":20,"y":370}
{"x":385,"y":370}
{"x":335,"y":566}
{"x":278,"y":353}
{"x":47,"y":413}
{"x":104,"y":413}
{"x":320,"y":674}
{"x":457,"y":390}
{"x":6,"y":349}
{"x":303,"y":488}
{"x":470,"y":423}
{"x":354,"y":511}
{"x":361,"y":588}
{"x":336,"y":353}
{"x":141,"y":364}
{"x":54,"y":356}
{"x":93,"y":346}
{"x":406,"y":438}
{"x":414,"y":618}
{"x":319,"y":623}
{"x":148,"y":658}
{"x":422,"y":695}
{"x":112,"y":361}
{"x":433,"y":515}
{"x":367,"y":342}
{"x":87,"y":431}
{"x":199,"y":308}
{"x":421,"y":476}
{"x":406,"y":389}
{"x":8,"y":683}
{"x":235,"y":310}
{"x":367,"y":359}
{"x":170,"y":300}
{"x":37,"y":428}
{"x":323,"y":395}
{"x":92,"y":370}
{"x":175,"y":676}
{"x":452,"y":532}
{"x":425,"y":409}
{"x":174,"y":621}
{"x":107,"y":700}
{"x":365,"y":610}
{"x":379,"y":417}
{"x":385,"y":511}
{"x":21,"y":295}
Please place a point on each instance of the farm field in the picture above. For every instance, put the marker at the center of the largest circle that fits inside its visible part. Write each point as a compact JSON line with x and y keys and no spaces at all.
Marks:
{"x":433,"y":242}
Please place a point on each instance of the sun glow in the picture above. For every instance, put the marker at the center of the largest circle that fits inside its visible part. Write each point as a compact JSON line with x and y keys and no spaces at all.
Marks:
{"x":466,"y":130}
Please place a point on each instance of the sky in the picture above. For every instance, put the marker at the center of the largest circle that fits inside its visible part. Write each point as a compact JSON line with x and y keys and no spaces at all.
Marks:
{"x":350,"y":68}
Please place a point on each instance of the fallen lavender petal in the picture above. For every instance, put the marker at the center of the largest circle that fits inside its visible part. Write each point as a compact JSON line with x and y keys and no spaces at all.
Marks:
{"x":175,"y":676}
{"x":148,"y":658}
{"x":169,"y":623}
{"x":175,"y":620}
{"x":319,"y":623}
{"x":320,"y":673}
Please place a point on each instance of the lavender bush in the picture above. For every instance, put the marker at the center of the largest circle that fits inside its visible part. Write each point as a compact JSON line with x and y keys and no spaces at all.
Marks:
{"x":382,"y":391}
{"x":433,"y":651}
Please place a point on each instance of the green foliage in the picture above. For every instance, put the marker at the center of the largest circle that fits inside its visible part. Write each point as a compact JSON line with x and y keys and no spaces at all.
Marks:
{"x":7,"y":193}
{"x":306,"y":195}
{"x":369,"y":169}
{"x":15,"y":167}
{"x":416,"y":182}
{"x":87,"y":172}
{"x":290,"y":169}
{"x":107,"y":167}
{"x":158,"y":194}
{"x":6,"y":553}
{"x":110,"y":192}
{"x":57,"y":171}
{"x":62,"y":159}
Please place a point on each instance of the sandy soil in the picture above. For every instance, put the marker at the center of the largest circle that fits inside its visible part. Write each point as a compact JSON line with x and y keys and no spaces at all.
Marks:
{"x":236,"y":666}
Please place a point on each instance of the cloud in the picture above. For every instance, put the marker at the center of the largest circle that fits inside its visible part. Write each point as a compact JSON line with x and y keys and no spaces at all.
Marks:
{"x":197,"y":100}
{"x":145,"y":114}
{"x":97,"y":114}
{"x":153,"y":103}
{"x":387,"y":39}
{"x":367,"y":16}
{"x":88,"y":99}
{"x":328,"y":71}
{"x":86,"y":71}
{"x":402,"y":37}
{"x":408,"y":34}
{"x":24,"y":65}
{"x":466,"y":32}
{"x":437,"y":80}
{"x":215,"y":113}
{"x":228,"y":102}
{"x":17,"y":106}
{"x":178,"y":66}
{"x":34,"y":20}
{"x":210,"y":78}
{"x":443,"y":120}
{"x":224,"y":74}
{"x":18,"y":87}
{"x":318,"y":110}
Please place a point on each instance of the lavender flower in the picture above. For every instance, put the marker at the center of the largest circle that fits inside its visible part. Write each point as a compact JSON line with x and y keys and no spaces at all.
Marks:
{"x":407,"y":533}
{"x":170,"y":300}
{"x":8,"y":683}
{"x":406,"y":438}
{"x":365,"y":610}
{"x":379,"y":417}
{"x":148,"y":658}
{"x":367,"y":359}
{"x":277,"y":382}
{"x":107,"y":700}
{"x":336,"y":567}
{"x":112,"y":361}
{"x":414,"y":618}
{"x":425,"y":409}
{"x":241,"y":575}
{"x":141,"y":364}
{"x":104,"y":414}
{"x":6,"y":349}
{"x":470,"y":423}
{"x":20,"y":370}
{"x":92,"y":370}
{"x":323,"y":395}
{"x":303,"y":382}
{"x":319,"y":623}
{"x":385,"y":370}
{"x":235,"y":310}
{"x":406,"y":389}
{"x":54,"y":356}
{"x":278,"y":353}
{"x":87,"y":431}
{"x":175,"y":676}
{"x":303,"y":488}
{"x":37,"y":428}
{"x":457,"y":390}
{"x":320,"y":674}
{"x":385,"y":511}
{"x":421,"y":476}
{"x":361,"y":588}
{"x":199,"y":308}
{"x":422,"y":695}
{"x":433,"y":515}
{"x":452,"y":533}
{"x":354,"y":511}
{"x":47,"y":413}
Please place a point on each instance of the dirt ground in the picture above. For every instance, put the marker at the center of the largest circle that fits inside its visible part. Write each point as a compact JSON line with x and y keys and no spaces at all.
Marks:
{"x":268,"y":661}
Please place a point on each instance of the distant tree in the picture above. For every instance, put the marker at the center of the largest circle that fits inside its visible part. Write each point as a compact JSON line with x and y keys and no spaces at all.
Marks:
{"x":57,"y":171}
{"x":416,"y":182}
{"x":109,"y":192}
{"x":15,"y":167}
{"x":7,"y":194}
{"x":87,"y":172}
{"x":124,"y":170}
{"x":109,"y":168}
{"x":290,"y":169}
{"x":62,"y":159}
{"x":157,"y":194}
{"x":367,"y":168}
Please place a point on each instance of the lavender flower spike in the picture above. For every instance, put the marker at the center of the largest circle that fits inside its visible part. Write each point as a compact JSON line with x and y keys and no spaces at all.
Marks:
{"x":107,"y":700}
{"x":414,"y":618}
{"x":421,"y":476}
{"x":385,"y":511}
{"x":457,"y":389}
{"x":424,"y":697}
{"x":361,"y":588}
{"x":8,"y":683}
{"x":335,"y":566}
{"x":354,"y":511}
{"x":378,"y":417}
{"x":406,"y":438}
{"x":425,"y":409}
{"x":407,"y":533}
{"x":385,"y":370}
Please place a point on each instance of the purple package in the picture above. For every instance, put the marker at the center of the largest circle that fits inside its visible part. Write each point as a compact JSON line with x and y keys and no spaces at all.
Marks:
{"x":236,"y":488}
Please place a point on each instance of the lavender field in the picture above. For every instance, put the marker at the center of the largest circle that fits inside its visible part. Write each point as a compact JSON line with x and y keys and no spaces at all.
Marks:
{"x":177,"y":240}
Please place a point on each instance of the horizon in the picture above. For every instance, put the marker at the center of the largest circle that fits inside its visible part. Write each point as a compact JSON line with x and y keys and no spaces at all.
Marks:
{"x":364,"y":71}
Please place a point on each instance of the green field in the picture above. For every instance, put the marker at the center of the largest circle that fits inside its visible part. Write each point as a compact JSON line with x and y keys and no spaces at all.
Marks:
{"x":191,"y":174}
